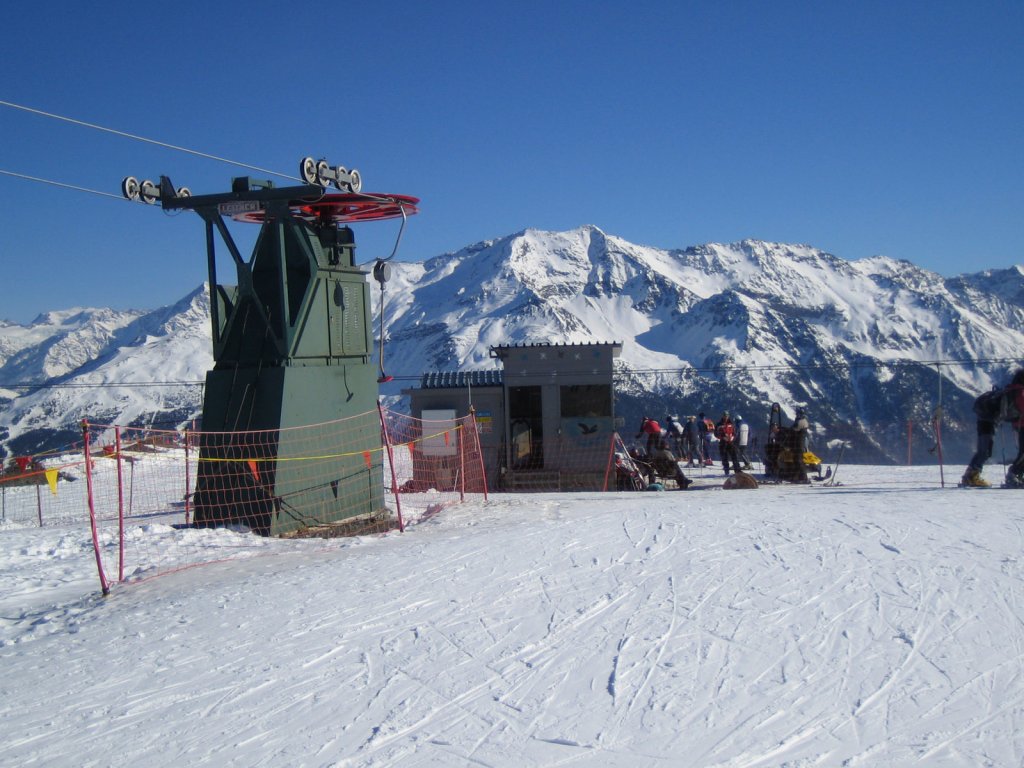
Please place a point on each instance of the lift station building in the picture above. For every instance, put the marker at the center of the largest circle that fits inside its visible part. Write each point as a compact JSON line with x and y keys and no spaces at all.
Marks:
{"x":546,"y":419}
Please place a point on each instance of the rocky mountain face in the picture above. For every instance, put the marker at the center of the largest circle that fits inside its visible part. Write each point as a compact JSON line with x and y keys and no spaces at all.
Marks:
{"x":716,"y":327}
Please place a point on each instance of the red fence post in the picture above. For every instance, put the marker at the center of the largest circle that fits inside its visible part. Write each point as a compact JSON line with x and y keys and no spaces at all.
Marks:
{"x":479,"y":449}
{"x":462,"y":462}
{"x":611,"y":460}
{"x":92,"y":509}
{"x":188,"y":480}
{"x":120,"y":506}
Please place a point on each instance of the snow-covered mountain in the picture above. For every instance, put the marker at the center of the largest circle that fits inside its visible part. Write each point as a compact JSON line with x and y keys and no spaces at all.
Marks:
{"x":727,"y":327}
{"x":708,"y":328}
{"x":109,"y":367}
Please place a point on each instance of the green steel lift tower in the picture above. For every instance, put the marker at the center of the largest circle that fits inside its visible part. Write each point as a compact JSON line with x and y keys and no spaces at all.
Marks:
{"x":292,"y":347}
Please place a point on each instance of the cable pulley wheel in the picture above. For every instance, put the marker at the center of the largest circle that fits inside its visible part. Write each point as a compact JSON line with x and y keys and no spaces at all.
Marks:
{"x":130,"y":187}
{"x":149,"y":192}
{"x":339,"y":173}
{"x":307,"y":170}
{"x":323,"y":171}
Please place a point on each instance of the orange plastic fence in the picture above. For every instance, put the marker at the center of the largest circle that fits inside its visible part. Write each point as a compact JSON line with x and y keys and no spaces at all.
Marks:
{"x":157,"y":501}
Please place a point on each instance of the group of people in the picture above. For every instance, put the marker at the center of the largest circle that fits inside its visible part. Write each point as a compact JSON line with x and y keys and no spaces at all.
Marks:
{"x":691,"y":441}
{"x":668,"y":447}
{"x":1006,"y":404}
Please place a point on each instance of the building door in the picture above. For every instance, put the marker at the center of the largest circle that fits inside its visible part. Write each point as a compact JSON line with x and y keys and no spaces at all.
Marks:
{"x":526,"y":428}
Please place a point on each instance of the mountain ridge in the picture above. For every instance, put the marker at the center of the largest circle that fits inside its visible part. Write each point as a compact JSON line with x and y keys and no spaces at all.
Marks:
{"x":709,"y":326}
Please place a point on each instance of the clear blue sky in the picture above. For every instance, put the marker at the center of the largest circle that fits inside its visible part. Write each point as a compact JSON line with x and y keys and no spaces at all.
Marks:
{"x":862,"y":128}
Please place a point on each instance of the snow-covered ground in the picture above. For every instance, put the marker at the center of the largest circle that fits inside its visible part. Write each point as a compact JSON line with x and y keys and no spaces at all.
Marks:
{"x":876,"y":623}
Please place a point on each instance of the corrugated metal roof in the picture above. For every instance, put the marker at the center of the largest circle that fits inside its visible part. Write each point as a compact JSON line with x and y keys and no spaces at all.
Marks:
{"x":517,"y":344}
{"x":460,"y":379}
{"x":498,"y":349}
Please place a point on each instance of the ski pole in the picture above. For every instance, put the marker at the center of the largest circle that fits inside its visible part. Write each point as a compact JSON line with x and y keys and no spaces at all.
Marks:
{"x":835,"y":469}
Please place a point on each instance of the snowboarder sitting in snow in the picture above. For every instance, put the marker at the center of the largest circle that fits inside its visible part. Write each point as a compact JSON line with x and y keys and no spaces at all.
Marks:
{"x":666,"y":465}
{"x":990,"y":408}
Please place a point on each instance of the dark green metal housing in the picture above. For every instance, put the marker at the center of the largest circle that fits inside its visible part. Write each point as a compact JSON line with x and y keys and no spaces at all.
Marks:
{"x":292,"y":348}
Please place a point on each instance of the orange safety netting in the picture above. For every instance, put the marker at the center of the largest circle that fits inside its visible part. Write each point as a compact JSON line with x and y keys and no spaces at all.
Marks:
{"x":162,"y":500}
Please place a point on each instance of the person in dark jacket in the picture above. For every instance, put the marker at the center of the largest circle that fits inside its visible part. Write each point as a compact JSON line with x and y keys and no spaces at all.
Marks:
{"x":1015,"y":474}
{"x":987,"y":421}
{"x":691,"y":442}
{"x":990,"y":408}
{"x":707,"y":429}
{"x":666,"y":464}
{"x":675,"y":432}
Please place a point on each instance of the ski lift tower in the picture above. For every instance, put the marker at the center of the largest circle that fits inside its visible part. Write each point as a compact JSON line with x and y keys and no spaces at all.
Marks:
{"x":291,"y":345}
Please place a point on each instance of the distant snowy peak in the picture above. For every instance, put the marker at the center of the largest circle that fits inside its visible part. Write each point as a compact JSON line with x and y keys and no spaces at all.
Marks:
{"x":1006,"y":284}
{"x":883,"y":266}
{"x":56,"y":343}
{"x":105,"y":354}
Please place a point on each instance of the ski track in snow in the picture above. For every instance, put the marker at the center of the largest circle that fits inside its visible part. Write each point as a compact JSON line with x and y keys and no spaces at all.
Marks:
{"x":870,"y":624}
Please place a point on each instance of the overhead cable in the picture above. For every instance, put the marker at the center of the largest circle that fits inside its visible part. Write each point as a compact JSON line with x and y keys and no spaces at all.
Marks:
{"x":144,"y":139}
{"x":60,"y":184}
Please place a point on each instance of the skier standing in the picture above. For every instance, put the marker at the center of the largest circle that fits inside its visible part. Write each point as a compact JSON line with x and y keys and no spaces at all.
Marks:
{"x":1015,"y":474}
{"x":692,"y":442}
{"x":990,"y":408}
{"x":675,"y":435}
{"x":987,"y":410}
{"x":773,"y":443}
{"x":707,"y":429}
{"x":742,"y":438}
{"x":726,"y":434}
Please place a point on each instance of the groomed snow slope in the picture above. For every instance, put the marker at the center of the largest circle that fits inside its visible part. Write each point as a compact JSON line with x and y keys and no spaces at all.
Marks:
{"x":877,"y":623}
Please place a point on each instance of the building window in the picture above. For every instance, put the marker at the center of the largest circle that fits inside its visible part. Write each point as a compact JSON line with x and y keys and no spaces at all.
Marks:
{"x":586,"y":401}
